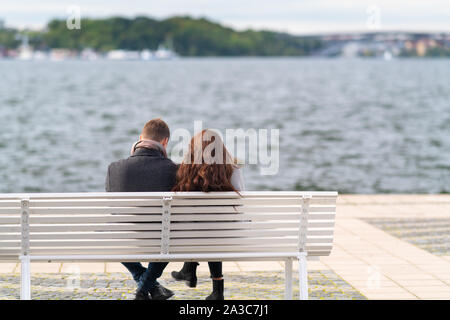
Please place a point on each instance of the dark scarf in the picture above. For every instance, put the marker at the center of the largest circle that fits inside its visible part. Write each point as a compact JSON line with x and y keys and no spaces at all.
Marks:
{"x":149,"y":144}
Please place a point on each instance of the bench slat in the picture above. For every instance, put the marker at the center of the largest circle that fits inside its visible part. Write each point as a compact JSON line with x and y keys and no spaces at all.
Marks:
{"x":96,"y":227}
{"x":176,"y":202}
{"x":9,"y":211}
{"x":159,"y":195}
{"x":10,"y":236}
{"x":156,"y":242}
{"x":150,"y":250}
{"x":9,"y":220}
{"x":174,"y":235}
{"x":9,"y":228}
{"x":175,"y":226}
{"x":143,"y":227}
{"x":71,"y":219}
{"x":96,"y":210}
{"x":35,"y":219}
{"x":96,"y":203}
{"x":10,"y":203}
{"x":175,"y":210}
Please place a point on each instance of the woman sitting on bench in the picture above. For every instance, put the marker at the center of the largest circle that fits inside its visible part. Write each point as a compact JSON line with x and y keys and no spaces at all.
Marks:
{"x":209,"y":168}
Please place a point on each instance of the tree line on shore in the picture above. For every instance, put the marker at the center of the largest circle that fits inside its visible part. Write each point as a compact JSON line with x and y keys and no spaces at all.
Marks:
{"x":185,"y":35}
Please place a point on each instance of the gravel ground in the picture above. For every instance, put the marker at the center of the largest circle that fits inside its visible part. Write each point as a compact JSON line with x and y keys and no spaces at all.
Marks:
{"x":119,"y":286}
{"x":432,"y":235}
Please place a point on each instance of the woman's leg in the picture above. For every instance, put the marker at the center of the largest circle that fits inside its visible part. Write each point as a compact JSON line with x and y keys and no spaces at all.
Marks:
{"x":215,"y":268}
{"x":187,"y":273}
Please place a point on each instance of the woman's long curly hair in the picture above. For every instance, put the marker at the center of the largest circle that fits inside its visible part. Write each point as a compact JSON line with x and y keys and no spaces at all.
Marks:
{"x":207,"y":166}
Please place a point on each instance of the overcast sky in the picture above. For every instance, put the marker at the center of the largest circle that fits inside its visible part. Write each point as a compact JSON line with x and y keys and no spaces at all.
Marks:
{"x":294,"y":16}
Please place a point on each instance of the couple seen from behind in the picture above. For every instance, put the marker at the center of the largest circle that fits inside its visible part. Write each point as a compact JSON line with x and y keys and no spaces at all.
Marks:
{"x":148,"y":169}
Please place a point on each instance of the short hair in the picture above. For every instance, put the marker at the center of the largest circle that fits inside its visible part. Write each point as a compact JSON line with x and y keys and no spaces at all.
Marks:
{"x":156,"y":130}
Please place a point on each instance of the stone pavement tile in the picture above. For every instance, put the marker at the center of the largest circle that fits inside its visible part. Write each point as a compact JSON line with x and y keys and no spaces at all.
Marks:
{"x":174,"y":266}
{"x":342,"y":262}
{"x":387,"y":291}
{"x":443,"y":276}
{"x":230,"y":266}
{"x":248,"y":266}
{"x":400,"y":269}
{"x":437,"y":198}
{"x":74,"y":267}
{"x":312,"y":265}
{"x":440,"y":274}
{"x":315,"y":265}
{"x":344,"y":271}
{"x":355,"y":198}
{"x":351,"y":211}
{"x":369,"y":282}
{"x":7,"y":267}
{"x":388,"y":263}
{"x":425,"y":208}
{"x":203,"y":267}
{"x":116,"y":267}
{"x":43,"y":267}
{"x":411,"y":276}
{"x":362,"y":277}
{"x":342,"y":199}
{"x":425,"y":290}
{"x":392,"y":296}
{"x":338,"y":253}
{"x":434,"y":295}
{"x":420,"y":282}
{"x":227,"y":266}
{"x":443,"y":267}
{"x":391,"y":199}
{"x":382,"y":210}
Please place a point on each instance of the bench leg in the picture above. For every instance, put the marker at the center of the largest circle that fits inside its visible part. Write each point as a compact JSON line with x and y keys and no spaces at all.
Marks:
{"x":25,"y":279}
{"x":303,"y":277}
{"x":288,"y":279}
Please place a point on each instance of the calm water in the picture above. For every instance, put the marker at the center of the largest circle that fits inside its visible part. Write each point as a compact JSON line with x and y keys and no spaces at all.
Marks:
{"x":361,"y":126}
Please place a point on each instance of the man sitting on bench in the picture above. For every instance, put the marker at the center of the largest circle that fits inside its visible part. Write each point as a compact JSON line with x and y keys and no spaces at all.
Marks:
{"x":147,"y":169}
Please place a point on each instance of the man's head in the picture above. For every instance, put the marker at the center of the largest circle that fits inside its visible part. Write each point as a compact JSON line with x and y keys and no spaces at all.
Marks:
{"x":156,"y":130}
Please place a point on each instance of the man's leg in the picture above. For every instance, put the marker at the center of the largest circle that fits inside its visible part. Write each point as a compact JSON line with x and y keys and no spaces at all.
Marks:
{"x":136,"y":269}
{"x":151,"y":274}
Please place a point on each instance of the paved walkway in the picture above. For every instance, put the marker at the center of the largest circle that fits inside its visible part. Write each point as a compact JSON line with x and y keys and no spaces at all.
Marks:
{"x":386,"y":247}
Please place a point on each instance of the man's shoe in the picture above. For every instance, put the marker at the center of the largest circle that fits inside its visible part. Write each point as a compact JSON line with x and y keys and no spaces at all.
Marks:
{"x":140,"y":295}
{"x":158,"y":292}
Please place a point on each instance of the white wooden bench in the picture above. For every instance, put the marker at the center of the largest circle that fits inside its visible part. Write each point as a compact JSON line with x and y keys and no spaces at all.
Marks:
{"x":167,"y":226}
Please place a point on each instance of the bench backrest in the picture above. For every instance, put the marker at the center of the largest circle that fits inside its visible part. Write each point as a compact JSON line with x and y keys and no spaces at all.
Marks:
{"x":166,"y":222}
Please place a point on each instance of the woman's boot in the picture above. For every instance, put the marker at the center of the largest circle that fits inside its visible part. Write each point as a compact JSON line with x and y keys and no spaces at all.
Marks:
{"x":217,"y":293}
{"x":187,"y":273}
